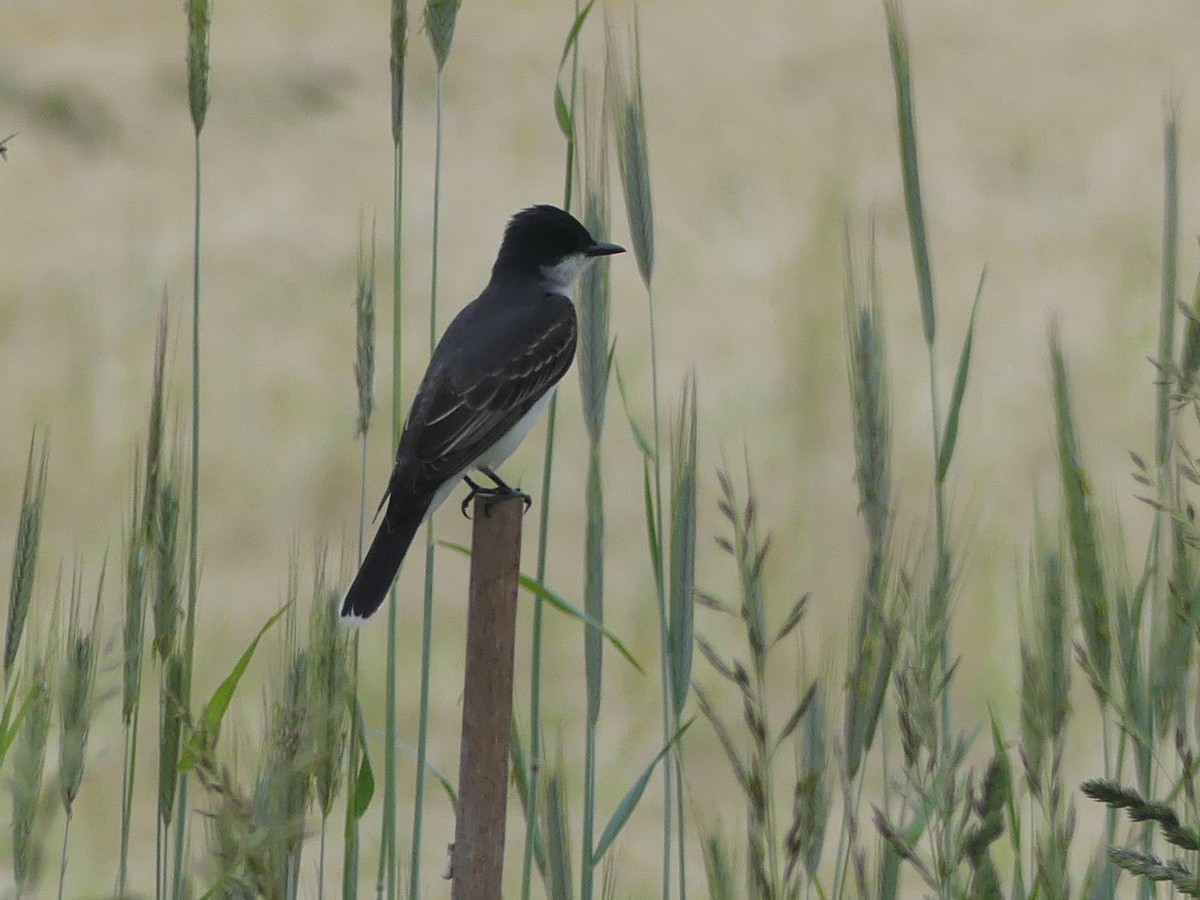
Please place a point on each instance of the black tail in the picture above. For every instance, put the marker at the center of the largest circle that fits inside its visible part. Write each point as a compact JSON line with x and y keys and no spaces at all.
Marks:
{"x":382,"y":562}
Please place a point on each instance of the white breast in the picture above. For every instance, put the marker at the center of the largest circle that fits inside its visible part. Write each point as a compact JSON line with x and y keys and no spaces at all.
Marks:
{"x":498,"y":452}
{"x":503,"y":448}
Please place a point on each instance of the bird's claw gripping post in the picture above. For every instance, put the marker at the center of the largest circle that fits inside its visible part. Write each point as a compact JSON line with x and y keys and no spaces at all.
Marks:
{"x":500,"y":491}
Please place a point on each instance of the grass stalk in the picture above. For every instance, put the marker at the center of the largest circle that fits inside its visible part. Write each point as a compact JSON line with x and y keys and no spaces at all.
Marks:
{"x":165,"y":613}
{"x":29,"y":764}
{"x":919,"y":240}
{"x":681,"y":590}
{"x":364,"y":379}
{"x":29,"y":529}
{"x":629,"y":117}
{"x":128,"y":779}
{"x":62,"y":869}
{"x":135,"y":570}
{"x":1171,"y":611}
{"x":752,"y":764}
{"x":76,"y":702}
{"x":874,"y":637}
{"x":199,"y":23}
{"x":387,"y":841}
{"x":139,"y":562}
{"x":593,"y":377}
{"x":1167,"y":302}
{"x":440,"y":18}
{"x":329,"y":702}
{"x":414,"y":880}
{"x":558,"y":835}
{"x":533,"y":777}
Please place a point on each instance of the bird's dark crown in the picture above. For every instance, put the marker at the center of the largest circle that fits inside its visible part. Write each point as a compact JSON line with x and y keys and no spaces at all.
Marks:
{"x":540,"y":236}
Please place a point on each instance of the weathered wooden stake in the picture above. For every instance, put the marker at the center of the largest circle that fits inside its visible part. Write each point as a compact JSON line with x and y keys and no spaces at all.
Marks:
{"x":477,"y":860}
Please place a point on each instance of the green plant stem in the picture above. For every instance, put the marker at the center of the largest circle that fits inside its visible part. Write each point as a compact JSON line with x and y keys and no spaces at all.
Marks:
{"x":772,"y":836}
{"x":189,"y":627}
{"x":62,"y":870}
{"x":160,"y":851}
{"x":941,"y":583}
{"x":589,"y":811}
{"x":128,"y":773}
{"x":321,"y":860}
{"x":350,"y":851}
{"x":593,"y":651}
{"x":387,"y":850}
{"x":414,"y":879}
{"x":535,"y":663}
{"x":679,"y":831}
{"x":668,"y":701}
{"x":161,"y":834}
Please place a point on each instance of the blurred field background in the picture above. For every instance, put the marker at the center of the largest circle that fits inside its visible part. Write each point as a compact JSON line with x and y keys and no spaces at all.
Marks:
{"x":1041,"y":142}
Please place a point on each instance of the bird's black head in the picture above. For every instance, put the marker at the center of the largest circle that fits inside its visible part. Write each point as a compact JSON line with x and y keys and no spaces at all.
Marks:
{"x":545,"y":241}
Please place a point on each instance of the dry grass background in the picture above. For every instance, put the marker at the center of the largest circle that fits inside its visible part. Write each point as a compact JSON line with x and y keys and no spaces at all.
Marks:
{"x":1040,"y":133}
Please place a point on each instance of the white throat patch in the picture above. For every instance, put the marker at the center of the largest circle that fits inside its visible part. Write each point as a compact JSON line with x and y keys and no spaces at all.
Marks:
{"x":562,"y":276}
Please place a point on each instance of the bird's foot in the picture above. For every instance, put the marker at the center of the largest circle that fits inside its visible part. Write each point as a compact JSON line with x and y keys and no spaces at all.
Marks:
{"x":500,"y":491}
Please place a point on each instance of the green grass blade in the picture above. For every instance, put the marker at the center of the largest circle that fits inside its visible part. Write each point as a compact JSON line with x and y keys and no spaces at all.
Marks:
{"x":387,"y":833}
{"x":439,"y":776}
{"x":563,"y":112}
{"x":10,"y":725}
{"x":521,"y":781}
{"x":1082,"y":530}
{"x":1172,"y":660}
{"x":960,"y":387}
{"x":171,"y":725}
{"x":639,"y":436}
{"x":363,"y":788}
{"x":1170,"y":259}
{"x":630,"y":801}
{"x":214,"y":710}
{"x":1189,"y":354}
{"x":1014,"y":816}
{"x":683,"y":547}
{"x":556,"y":828}
{"x":719,"y":867}
{"x":906,"y":119}
{"x":29,"y":529}
{"x":558,"y":602}
{"x":593,"y":587}
{"x":573,"y":34}
{"x":652,"y":531}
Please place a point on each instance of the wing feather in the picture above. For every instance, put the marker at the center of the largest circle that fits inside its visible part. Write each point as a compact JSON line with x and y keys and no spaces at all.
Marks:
{"x":475,"y":390}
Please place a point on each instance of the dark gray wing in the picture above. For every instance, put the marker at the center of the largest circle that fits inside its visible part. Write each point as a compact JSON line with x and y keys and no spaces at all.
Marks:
{"x":499,"y":356}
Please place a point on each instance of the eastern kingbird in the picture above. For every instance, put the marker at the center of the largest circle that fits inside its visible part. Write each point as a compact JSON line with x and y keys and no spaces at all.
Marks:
{"x":488,"y":381}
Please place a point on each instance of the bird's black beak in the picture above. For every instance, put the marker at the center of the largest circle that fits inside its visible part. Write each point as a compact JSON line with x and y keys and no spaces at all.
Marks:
{"x":603,"y":248}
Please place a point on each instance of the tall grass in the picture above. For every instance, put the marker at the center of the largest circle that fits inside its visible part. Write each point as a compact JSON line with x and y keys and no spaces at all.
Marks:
{"x":364,"y":381}
{"x":387,"y":855}
{"x":593,"y":355}
{"x":440,"y":19}
{"x":565,"y":114}
{"x":199,"y":26}
{"x":628,"y":112}
{"x":76,"y":702}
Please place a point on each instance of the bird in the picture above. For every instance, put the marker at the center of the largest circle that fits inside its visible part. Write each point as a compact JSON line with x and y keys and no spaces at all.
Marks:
{"x":487,"y":382}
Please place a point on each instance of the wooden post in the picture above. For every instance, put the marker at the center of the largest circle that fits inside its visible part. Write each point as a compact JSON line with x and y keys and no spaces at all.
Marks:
{"x":477,"y":860}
